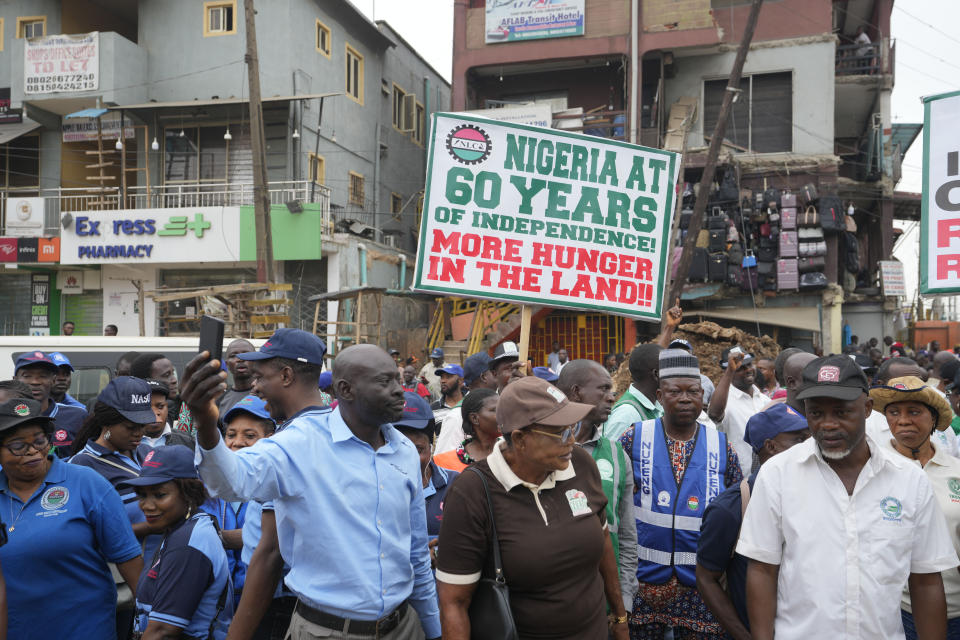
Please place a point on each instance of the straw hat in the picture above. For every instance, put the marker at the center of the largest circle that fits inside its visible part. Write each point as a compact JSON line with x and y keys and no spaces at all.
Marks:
{"x":912,"y":389}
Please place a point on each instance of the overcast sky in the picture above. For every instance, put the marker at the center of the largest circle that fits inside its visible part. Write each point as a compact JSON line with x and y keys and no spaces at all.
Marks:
{"x":927,"y":34}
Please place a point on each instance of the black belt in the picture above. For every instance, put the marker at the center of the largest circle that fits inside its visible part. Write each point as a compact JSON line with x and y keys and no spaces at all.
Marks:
{"x":375,"y":628}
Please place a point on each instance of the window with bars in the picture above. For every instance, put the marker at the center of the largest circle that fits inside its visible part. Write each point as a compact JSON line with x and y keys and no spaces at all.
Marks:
{"x":323,"y":38}
{"x":219,"y":18}
{"x":396,"y":205}
{"x":356,"y":191}
{"x":762,"y":117}
{"x":354,"y":76}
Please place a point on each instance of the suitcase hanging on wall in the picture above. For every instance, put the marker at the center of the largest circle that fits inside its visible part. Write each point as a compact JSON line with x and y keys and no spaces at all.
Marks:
{"x":717,"y":241}
{"x":717,"y":268}
{"x":788,"y":244}
{"x":749,"y":280}
{"x":700,"y":265}
{"x":788,"y":275}
{"x":806,"y":265}
{"x":788,"y":218}
{"x":788,"y":199}
{"x":831,"y":214}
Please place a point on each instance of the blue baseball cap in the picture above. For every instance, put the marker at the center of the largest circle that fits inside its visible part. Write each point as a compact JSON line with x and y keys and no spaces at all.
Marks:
{"x":251,"y":404}
{"x":130,"y":397}
{"x":325,"y":380}
{"x":474,"y":366}
{"x":450,"y":369}
{"x":417,"y":414}
{"x":680,"y":343}
{"x":436,"y":353}
{"x":60,"y":360}
{"x":164,"y":464}
{"x":780,"y":418}
{"x":32,"y":358}
{"x":545,"y":373}
{"x":293,"y":344}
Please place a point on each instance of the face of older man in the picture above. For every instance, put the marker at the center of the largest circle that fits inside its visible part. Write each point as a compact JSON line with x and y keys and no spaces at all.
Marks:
{"x":838,"y":426}
{"x":682,"y":399}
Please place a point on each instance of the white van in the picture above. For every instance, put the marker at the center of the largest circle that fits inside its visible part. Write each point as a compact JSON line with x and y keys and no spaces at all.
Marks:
{"x":94,"y":358}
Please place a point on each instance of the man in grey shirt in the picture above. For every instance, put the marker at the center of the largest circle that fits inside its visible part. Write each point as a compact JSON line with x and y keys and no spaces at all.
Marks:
{"x":241,"y":373}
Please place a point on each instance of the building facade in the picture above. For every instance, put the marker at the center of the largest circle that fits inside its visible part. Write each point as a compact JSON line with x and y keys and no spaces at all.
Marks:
{"x":813,"y":110}
{"x":344,"y":150}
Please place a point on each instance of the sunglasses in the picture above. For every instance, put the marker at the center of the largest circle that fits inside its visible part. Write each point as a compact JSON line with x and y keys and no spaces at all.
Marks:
{"x":565,"y":436}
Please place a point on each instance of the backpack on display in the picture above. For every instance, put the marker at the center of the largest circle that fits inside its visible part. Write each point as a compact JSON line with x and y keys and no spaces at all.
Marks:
{"x":813,"y":280}
{"x":832,"y":214}
{"x":728,"y":191}
{"x":851,"y":254}
{"x":808,"y":193}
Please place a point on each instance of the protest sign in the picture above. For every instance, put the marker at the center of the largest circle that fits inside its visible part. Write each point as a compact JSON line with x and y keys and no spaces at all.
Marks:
{"x":940,"y":215}
{"x":540,"y":216}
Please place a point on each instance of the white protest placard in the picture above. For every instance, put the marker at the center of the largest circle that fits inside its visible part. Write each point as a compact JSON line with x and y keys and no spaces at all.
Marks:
{"x":539,"y":216}
{"x":59,"y":63}
{"x":940,"y":215}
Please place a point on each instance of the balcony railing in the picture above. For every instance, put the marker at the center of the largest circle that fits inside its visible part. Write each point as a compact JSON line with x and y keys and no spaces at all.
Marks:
{"x":860,"y":59}
{"x":60,"y":200}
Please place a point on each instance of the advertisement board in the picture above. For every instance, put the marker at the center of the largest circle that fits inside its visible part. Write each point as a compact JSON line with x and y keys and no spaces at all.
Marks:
{"x":61,"y":63}
{"x":24,"y":217}
{"x":512,"y":20}
{"x":940,"y":214}
{"x":198,"y":234}
{"x":524,"y":214}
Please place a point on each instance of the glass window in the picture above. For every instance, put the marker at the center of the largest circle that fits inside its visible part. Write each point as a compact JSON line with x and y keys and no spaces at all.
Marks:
{"x":180,"y":155}
{"x":356,"y":189}
{"x":354,"y":74}
{"x":323,"y":38}
{"x":213,"y":154}
{"x":398,"y":94}
{"x":219,"y":18}
{"x":418,"y":124}
{"x":23,"y":162}
{"x":32,"y":27}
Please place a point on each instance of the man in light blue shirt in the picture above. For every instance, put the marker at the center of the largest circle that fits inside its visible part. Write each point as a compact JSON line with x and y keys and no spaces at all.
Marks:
{"x":345,"y":484}
{"x":639,"y":401}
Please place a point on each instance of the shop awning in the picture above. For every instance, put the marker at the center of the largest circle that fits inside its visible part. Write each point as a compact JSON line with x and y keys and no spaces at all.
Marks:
{"x":805,"y":318}
{"x":10,"y":132}
{"x":86,"y":113}
{"x":218,"y":101}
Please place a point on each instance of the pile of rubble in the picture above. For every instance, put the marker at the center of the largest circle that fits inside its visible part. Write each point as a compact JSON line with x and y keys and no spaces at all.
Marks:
{"x":709,"y":340}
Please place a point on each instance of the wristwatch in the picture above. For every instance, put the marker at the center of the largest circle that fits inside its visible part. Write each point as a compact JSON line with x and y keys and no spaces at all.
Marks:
{"x":617,"y":619}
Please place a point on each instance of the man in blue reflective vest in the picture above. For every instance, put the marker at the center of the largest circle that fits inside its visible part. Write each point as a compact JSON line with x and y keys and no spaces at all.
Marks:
{"x":679,"y":466}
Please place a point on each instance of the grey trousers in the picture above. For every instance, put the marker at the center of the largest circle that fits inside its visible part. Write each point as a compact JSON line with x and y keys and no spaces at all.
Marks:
{"x":301,"y":629}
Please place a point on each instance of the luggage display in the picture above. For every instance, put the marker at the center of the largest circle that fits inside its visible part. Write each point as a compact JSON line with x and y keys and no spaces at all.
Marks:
{"x":851,"y":253}
{"x":813,"y":280}
{"x":788,"y":218}
{"x":717,"y":240}
{"x":831,"y":214}
{"x":703,"y":239}
{"x":788,"y":244}
{"x":699,"y":267}
{"x":735,"y":254}
{"x":733,"y":274}
{"x":749,"y":280}
{"x":717,"y":267}
{"x":716,"y":222}
{"x":809,"y":249}
{"x":766,"y":254}
{"x":771,"y":198}
{"x":808,"y":193}
{"x":685,"y":216}
{"x":809,"y":217}
{"x":806,"y":265}
{"x":765,"y":268}
{"x":788,"y":199}
{"x":788,"y":274}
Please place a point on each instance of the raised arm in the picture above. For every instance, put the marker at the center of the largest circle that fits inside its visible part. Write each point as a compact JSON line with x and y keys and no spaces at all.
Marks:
{"x":718,"y":402}
{"x":671,"y":321}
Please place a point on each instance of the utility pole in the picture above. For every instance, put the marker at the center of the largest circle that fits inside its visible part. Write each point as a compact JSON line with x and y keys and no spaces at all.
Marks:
{"x":709,"y":169}
{"x":261,"y":197}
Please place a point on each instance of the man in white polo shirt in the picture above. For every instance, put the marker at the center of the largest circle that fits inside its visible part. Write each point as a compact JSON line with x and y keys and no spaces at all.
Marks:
{"x":835,"y":527}
{"x":736,"y":400}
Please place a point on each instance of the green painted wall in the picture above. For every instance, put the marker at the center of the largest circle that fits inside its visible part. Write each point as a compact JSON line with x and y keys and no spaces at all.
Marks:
{"x":296,"y":236}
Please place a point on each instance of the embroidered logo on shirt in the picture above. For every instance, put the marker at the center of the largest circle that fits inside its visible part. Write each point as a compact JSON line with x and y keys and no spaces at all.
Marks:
{"x":578,"y":502}
{"x":954,"y":485}
{"x":54,"y":498}
{"x":891,"y":509}
{"x":60,"y":435}
{"x":605,"y":469}
{"x":828,"y":374}
{"x":693,"y":503}
{"x":663,"y":499}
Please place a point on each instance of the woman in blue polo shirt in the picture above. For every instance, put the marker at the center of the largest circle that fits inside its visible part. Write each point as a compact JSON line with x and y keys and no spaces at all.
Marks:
{"x":64,"y":524}
{"x":108,"y":441}
{"x":184,"y":590}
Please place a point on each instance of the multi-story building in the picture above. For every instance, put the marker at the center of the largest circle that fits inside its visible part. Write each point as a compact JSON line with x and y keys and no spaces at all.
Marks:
{"x":813,"y":108}
{"x":345,"y":106}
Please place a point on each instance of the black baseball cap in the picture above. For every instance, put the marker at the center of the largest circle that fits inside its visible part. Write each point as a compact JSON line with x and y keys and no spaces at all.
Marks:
{"x":835,"y":376}
{"x":131,"y":398}
{"x":474,"y":366}
{"x":17,"y":411}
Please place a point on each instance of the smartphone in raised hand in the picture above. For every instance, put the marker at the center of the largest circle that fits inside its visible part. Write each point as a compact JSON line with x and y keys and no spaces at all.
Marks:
{"x":211,"y":336}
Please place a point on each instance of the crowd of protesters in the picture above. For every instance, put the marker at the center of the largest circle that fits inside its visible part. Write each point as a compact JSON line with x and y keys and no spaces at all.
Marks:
{"x":284,"y":493}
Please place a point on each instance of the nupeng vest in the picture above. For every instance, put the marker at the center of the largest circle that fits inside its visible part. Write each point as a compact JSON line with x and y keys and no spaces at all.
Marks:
{"x":668,"y":515}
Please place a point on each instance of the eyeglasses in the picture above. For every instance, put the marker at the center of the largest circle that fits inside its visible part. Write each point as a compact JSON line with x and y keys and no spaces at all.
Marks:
{"x":564,"y":436}
{"x":20,"y":448}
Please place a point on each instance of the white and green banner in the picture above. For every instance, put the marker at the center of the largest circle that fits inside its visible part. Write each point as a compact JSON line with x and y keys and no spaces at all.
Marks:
{"x":940,"y":217}
{"x":524,"y":214}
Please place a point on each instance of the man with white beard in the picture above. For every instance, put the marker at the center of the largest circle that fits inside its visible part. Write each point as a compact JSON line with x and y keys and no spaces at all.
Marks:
{"x":838,"y":522}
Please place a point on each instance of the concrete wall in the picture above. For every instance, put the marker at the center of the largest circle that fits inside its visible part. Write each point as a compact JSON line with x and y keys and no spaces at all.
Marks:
{"x":813,"y":87}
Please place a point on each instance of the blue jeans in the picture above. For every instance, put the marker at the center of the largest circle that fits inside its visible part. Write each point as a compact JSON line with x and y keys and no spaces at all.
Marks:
{"x":953,"y":627}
